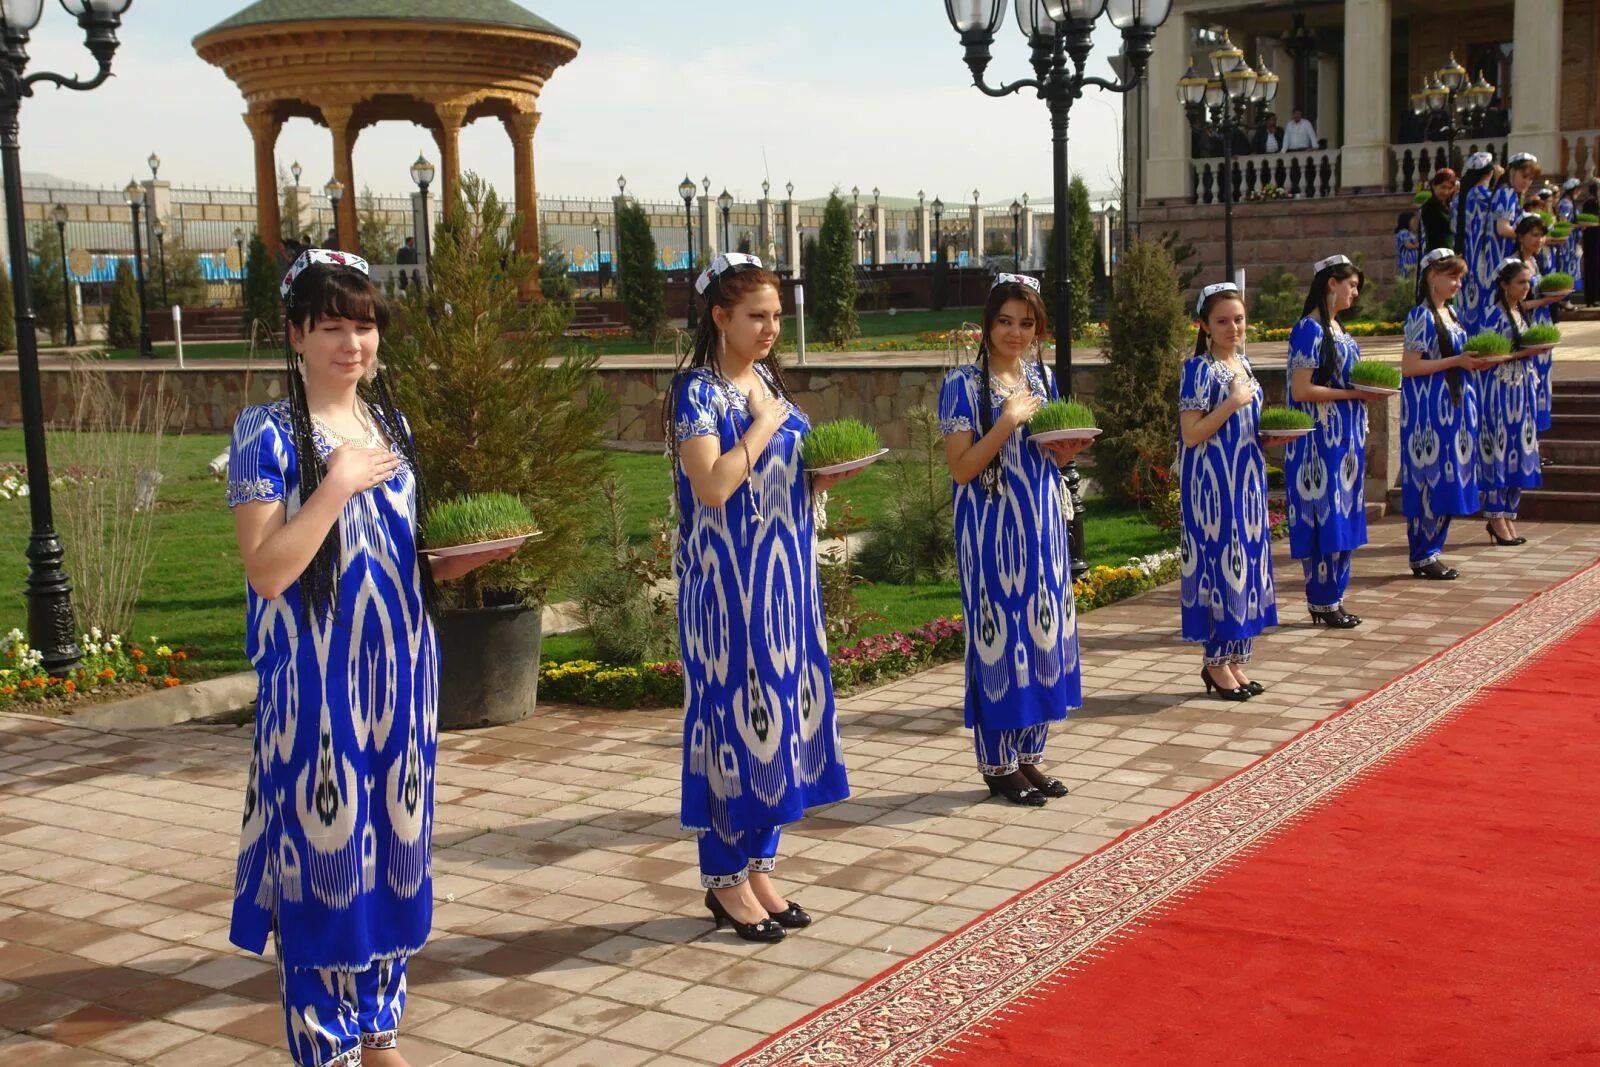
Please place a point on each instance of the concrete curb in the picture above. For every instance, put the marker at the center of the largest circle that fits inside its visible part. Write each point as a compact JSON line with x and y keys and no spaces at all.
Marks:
{"x":168,"y":707}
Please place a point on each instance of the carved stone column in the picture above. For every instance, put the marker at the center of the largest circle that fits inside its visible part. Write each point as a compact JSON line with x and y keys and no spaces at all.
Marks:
{"x":265,"y":126}
{"x":448,"y":138}
{"x":344,"y":136}
{"x":520,"y":126}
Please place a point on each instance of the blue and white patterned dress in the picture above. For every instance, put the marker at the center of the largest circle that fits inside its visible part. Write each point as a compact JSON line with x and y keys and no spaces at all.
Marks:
{"x":1406,"y":252}
{"x":1481,"y":248}
{"x":761,"y":738}
{"x":1508,"y":438}
{"x":1570,"y":253}
{"x":1438,"y":430}
{"x":1016,"y":573}
{"x":1544,"y":362}
{"x":1324,"y":471}
{"x":336,"y":844}
{"x":1226,"y":588}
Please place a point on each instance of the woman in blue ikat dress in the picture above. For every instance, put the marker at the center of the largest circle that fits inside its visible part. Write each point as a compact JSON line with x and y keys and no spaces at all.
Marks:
{"x":1226,"y":586}
{"x":1012,"y":555}
{"x":761,"y":738}
{"x":334,"y":856}
{"x":1508,"y":438}
{"x":1530,"y":248}
{"x":1438,"y":418}
{"x":1566,"y":209}
{"x":1324,"y":471}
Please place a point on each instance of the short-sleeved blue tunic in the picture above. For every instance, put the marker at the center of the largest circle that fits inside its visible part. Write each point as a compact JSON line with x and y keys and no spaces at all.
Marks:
{"x":338,"y":819}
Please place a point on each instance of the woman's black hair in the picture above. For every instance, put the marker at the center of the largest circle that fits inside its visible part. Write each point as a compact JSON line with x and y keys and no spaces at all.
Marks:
{"x":1404,"y":221}
{"x":999,"y":295}
{"x":1447,"y":344}
{"x":726,"y":290}
{"x":1503,"y":278}
{"x":1528,"y":223}
{"x":1202,"y":340}
{"x":1469,"y":181}
{"x":1317,"y":306}
{"x":323,"y":291}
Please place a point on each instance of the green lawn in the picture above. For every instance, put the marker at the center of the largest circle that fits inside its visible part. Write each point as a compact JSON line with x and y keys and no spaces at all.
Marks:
{"x":194,"y":591}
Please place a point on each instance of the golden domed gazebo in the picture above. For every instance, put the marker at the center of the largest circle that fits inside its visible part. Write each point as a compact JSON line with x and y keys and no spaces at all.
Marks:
{"x":354,"y":63}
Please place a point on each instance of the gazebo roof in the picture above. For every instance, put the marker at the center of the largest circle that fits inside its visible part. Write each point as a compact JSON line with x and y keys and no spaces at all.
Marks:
{"x":489,"y":12}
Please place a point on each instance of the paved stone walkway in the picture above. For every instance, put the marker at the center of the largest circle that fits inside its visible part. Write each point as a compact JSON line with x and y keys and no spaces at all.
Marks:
{"x":569,"y":929}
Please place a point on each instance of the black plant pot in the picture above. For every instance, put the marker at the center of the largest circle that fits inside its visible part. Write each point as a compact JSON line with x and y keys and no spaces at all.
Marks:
{"x":489,"y":665}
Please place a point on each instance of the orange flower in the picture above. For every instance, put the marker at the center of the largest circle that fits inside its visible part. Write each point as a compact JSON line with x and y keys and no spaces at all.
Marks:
{"x":180,"y":655}
{"x":7,"y":690}
{"x":69,"y":685}
{"x":142,"y":669}
{"x":169,"y":682}
{"x":108,"y":673}
{"x":137,"y":654}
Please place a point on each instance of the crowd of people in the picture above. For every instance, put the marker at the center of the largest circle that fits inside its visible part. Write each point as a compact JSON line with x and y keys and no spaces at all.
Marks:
{"x":335,"y":860}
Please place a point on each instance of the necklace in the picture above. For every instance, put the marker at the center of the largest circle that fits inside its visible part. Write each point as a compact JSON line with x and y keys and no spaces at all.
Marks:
{"x":369,"y":438}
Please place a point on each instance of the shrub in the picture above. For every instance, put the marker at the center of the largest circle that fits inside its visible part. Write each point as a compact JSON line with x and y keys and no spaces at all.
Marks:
{"x":1487,"y":343}
{"x":833,"y":287}
{"x":555,"y":278}
{"x":49,"y":301}
{"x":1061,"y":415}
{"x":379,"y":239}
{"x":1371,"y":372}
{"x":836,"y":576}
{"x":639,"y":281}
{"x":1138,"y":398}
{"x":261,"y":277}
{"x":839,"y":441}
{"x":8,"y":312}
{"x":616,"y":591}
{"x":915,"y":539}
{"x":122,"y":318}
{"x":1555,"y":282}
{"x":185,"y":281}
{"x":1541,"y":335}
{"x":1279,"y":300}
{"x":1274,"y":418}
{"x":494,"y":404}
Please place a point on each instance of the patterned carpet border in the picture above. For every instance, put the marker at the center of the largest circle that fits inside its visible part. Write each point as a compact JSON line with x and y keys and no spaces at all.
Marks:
{"x":965,"y":983}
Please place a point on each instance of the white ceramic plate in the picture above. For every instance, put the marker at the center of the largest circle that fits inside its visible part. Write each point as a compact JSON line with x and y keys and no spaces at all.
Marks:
{"x":1287,"y":435}
{"x":1072,"y":433}
{"x":478,"y":546}
{"x":1375,"y":390}
{"x":850,"y":464}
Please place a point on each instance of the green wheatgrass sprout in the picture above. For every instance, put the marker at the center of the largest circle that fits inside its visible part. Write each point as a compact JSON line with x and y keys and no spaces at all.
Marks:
{"x":1555,"y":282}
{"x":1378,"y":375}
{"x":1284,"y":419}
{"x":1561,"y":229}
{"x":1587,"y":217}
{"x":1422,"y":196}
{"x":477,"y":517}
{"x":1488,"y":343}
{"x":1548,"y":218}
{"x":1061,"y":415}
{"x":1540,"y":335}
{"x":839,"y":441}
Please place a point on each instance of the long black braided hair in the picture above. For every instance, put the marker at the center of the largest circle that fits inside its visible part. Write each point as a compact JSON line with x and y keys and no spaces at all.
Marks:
{"x":1317,"y":307}
{"x":1469,"y":181}
{"x":322,"y":291}
{"x":725,"y":291}
{"x":999,"y":296}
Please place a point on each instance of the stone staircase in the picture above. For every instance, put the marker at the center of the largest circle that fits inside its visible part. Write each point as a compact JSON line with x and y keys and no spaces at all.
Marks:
{"x":1570,"y":452}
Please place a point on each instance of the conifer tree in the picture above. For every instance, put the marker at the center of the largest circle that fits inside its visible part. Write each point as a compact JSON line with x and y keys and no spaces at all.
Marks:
{"x":639,"y":281}
{"x":122,"y":319}
{"x":261,"y":279}
{"x":834,"y":303}
{"x":8,"y":313}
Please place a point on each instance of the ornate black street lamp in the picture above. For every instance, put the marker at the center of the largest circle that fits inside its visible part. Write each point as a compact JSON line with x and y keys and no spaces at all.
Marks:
{"x":938,"y":242}
{"x":52,"y":630}
{"x":238,"y":248}
{"x":335,"y":191}
{"x":155,"y":166}
{"x":1235,"y":98}
{"x":725,"y":202}
{"x":59,"y":215}
{"x":1016,"y":235}
{"x":686,"y":191}
{"x":134,"y":195}
{"x":1463,"y":116}
{"x":422,"y":173}
{"x":788,"y":213}
{"x":161,"y":260}
{"x":1060,"y":34}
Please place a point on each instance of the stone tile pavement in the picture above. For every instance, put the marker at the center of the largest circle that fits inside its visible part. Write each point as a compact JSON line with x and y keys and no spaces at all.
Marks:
{"x":568,"y":928}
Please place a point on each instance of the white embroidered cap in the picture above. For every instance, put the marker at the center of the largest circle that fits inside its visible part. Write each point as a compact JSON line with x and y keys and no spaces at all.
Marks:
{"x":1438,"y":255}
{"x":1571,"y":184}
{"x":1212,"y":290}
{"x":1332,"y":261}
{"x":725,"y":261}
{"x":1479,"y":161}
{"x":1019,"y":279}
{"x":1509,"y":261}
{"x":1530,"y":215}
{"x":1523,"y":157}
{"x":331,"y":256}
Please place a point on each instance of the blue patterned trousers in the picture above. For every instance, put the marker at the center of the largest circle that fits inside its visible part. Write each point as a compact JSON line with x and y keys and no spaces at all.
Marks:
{"x":1501,"y":503}
{"x":1327,"y":577}
{"x":1220,"y":652}
{"x":1427,"y":538}
{"x":331,"y":1015}
{"x":723,"y":865}
{"x":1001,"y":752}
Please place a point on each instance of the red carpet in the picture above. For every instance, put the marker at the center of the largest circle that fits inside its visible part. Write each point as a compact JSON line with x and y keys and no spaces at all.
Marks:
{"x":1415,"y":881}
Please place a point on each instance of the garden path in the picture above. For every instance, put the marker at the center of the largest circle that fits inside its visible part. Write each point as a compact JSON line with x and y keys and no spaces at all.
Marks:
{"x":568,"y":928}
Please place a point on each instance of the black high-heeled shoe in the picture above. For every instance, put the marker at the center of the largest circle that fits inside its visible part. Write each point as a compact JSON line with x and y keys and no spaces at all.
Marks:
{"x":1255,"y":689}
{"x":1436,"y":572}
{"x":1503,"y":542}
{"x":794,"y":917}
{"x":1241,"y":693}
{"x":1043,"y":783}
{"x":767,"y":930}
{"x":1007,"y":787}
{"x":1335,"y":619}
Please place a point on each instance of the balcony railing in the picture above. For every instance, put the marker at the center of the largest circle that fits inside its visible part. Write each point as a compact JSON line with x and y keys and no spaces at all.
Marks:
{"x":1412,"y":164}
{"x":1301,"y":175}
{"x":1580,"y":153}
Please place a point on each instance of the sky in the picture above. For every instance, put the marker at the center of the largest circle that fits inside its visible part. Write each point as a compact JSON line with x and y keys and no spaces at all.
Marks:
{"x":824,"y":93}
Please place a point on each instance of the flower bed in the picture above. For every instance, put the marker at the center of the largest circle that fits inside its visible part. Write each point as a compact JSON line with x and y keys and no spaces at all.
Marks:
{"x":14,"y":480}
{"x":107,"y":661}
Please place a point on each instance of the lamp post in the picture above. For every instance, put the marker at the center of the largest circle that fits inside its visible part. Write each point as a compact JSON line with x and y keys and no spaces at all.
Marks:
{"x":686,"y":191}
{"x":155,"y":166}
{"x":1236,"y":97}
{"x":238,"y":247}
{"x":788,"y":214}
{"x":161,"y":260}
{"x":52,"y":630}
{"x":59,"y":215}
{"x":134,"y":195}
{"x":1016,"y":235}
{"x":725,"y":202}
{"x":1439,"y":98}
{"x":335,"y":191}
{"x":938,"y":242}
{"x":422,"y":173}
{"x":1059,"y":34}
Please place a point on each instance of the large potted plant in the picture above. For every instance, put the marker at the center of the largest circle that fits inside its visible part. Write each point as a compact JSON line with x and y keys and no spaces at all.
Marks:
{"x":496,"y":405}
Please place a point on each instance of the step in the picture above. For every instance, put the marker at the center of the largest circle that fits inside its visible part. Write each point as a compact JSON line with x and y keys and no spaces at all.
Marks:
{"x":1566,"y":478}
{"x":1572,"y":427}
{"x":1553,"y":506}
{"x":1570,"y":453}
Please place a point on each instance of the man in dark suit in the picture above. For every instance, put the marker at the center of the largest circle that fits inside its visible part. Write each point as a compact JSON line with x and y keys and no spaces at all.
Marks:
{"x":1268,"y":137}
